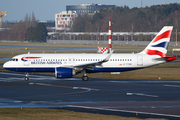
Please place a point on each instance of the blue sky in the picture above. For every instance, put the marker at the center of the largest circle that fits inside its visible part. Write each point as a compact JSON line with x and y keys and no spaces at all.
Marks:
{"x":46,"y":9}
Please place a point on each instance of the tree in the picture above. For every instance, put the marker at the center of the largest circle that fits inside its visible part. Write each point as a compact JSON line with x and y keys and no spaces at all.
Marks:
{"x":29,"y":34}
{"x":33,"y":19}
{"x":40,"y":33}
{"x":36,"y":34}
{"x":79,"y":24}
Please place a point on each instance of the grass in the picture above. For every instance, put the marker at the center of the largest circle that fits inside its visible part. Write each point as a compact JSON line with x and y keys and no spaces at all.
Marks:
{"x":54,"y":114}
{"x":142,"y":74}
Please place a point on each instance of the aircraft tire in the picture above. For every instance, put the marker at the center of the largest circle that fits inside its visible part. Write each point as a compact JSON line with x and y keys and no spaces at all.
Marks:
{"x":26,"y":78}
{"x":85,"y":78}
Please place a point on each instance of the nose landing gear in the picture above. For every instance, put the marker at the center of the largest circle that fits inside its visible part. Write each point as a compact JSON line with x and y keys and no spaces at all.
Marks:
{"x":27,"y":78}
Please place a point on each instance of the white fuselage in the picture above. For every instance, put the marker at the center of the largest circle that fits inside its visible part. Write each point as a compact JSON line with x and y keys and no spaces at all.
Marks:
{"x":48,"y":62}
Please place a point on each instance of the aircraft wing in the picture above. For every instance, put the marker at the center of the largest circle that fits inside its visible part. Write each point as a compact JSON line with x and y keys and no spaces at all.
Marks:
{"x":93,"y":64}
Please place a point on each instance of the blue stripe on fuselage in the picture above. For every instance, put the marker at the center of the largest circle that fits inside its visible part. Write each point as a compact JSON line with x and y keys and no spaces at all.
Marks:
{"x":107,"y":69}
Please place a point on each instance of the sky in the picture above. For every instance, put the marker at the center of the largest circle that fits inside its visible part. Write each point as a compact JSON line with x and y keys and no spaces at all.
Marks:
{"x":46,"y":9}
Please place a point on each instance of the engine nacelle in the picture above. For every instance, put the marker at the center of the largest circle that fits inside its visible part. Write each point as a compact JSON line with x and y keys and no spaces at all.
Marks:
{"x":62,"y":72}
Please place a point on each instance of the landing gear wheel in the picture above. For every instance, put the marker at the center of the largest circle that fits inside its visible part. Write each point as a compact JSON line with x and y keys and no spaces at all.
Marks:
{"x":85,"y":78}
{"x":26,"y":78}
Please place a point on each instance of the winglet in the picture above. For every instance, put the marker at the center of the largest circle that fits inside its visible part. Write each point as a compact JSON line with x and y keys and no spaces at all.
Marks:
{"x":108,"y":57}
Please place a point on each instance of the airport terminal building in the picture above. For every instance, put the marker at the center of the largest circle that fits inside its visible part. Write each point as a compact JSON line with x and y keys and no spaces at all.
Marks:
{"x":87,"y":8}
{"x":65,"y":19}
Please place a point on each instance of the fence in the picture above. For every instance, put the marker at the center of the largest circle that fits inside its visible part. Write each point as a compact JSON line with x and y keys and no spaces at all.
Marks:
{"x":105,"y":42}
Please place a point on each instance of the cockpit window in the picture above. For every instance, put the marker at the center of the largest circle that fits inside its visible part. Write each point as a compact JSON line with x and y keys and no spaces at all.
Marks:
{"x":14,"y":59}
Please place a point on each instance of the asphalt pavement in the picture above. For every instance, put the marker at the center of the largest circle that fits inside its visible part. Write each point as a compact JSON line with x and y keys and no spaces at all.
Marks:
{"x":130,"y":98}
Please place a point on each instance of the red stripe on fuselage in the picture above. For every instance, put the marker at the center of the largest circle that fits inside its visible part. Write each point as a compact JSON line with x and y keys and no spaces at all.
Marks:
{"x":30,"y":57}
{"x":166,"y":34}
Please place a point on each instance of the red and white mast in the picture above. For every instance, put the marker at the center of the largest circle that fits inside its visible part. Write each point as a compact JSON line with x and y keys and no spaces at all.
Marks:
{"x":110,"y":33}
{"x":98,"y":42}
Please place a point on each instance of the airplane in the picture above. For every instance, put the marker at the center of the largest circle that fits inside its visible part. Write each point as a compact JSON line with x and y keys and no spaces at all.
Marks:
{"x":67,"y":65}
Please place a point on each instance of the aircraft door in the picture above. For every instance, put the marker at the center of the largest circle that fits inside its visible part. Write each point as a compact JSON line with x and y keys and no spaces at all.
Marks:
{"x":26,"y":61}
{"x":140,"y":60}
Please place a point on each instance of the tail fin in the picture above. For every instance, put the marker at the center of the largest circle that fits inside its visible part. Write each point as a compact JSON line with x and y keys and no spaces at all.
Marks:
{"x":159,"y":45}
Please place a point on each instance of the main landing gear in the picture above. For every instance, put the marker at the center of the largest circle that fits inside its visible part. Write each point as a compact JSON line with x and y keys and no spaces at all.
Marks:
{"x":27,"y":78}
{"x":84,"y":77}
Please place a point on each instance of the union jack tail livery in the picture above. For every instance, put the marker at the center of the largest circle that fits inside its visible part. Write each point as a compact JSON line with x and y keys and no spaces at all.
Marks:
{"x":159,"y":45}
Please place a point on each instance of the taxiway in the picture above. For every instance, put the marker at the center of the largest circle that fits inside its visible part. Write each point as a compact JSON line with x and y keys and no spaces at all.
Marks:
{"x":132,"y":98}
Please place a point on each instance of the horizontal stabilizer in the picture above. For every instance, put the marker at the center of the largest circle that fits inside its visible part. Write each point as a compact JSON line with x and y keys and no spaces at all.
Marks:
{"x":167,"y":59}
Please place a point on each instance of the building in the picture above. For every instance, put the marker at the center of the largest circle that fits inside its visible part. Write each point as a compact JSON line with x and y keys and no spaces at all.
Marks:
{"x":65,"y":19}
{"x":87,"y":8}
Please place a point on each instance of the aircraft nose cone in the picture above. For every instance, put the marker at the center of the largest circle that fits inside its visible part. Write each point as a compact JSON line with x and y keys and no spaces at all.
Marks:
{"x":5,"y":65}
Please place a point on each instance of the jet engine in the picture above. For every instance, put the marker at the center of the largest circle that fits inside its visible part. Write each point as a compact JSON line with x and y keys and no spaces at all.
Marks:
{"x":62,"y":72}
